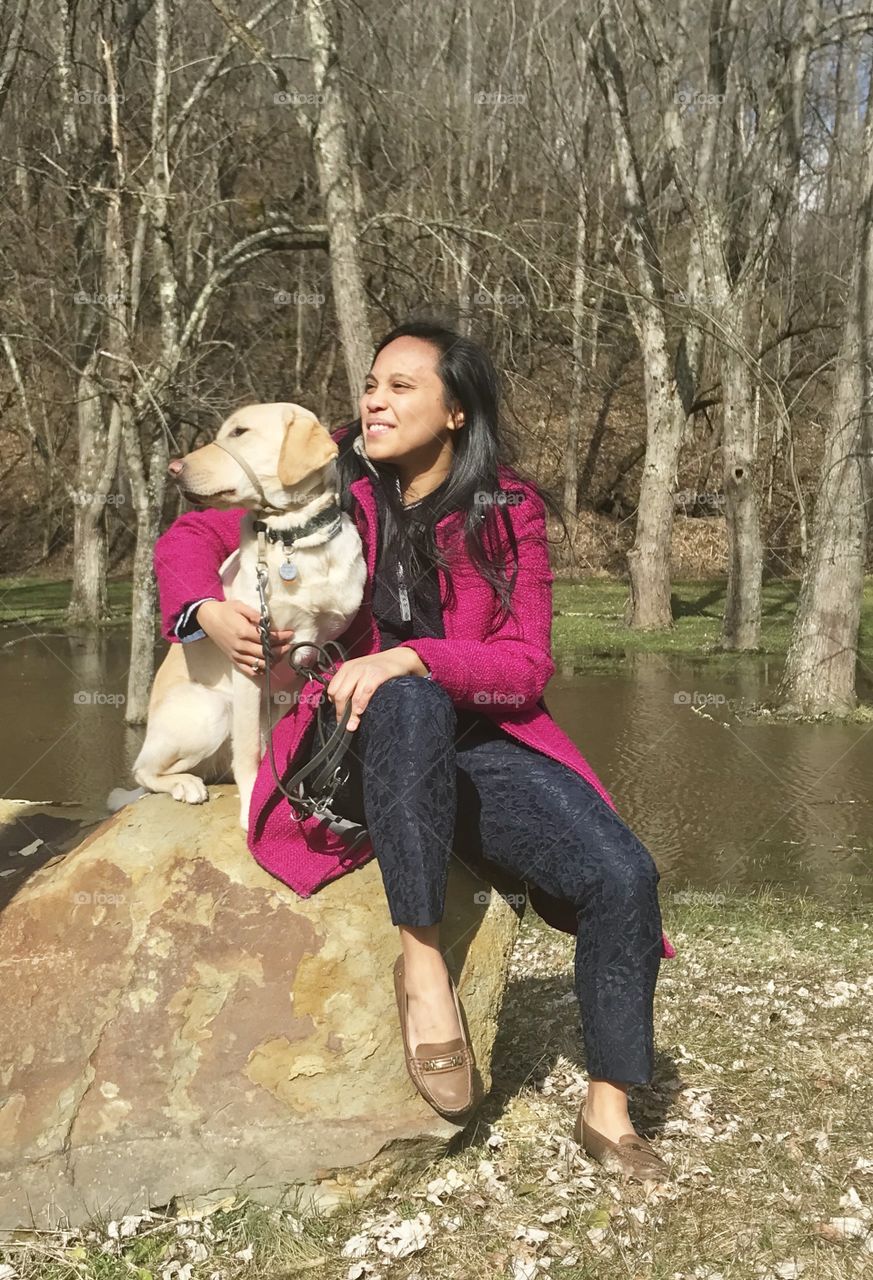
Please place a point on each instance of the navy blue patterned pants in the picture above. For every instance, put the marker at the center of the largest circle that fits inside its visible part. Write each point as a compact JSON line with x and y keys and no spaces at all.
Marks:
{"x":430,"y":781}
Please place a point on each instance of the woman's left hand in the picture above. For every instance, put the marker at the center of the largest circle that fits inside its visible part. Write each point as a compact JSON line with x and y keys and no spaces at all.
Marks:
{"x":359,"y":678}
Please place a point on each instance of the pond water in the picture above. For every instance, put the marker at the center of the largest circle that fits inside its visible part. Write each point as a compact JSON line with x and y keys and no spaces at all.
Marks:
{"x":721,"y":798}
{"x":719,"y":801}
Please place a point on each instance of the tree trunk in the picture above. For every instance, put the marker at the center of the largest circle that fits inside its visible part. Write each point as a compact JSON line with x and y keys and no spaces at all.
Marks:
{"x":148,"y":486}
{"x":465,"y":176}
{"x":819,"y":673}
{"x":580,"y":279}
{"x":648,"y":607}
{"x":335,"y":179}
{"x":742,"y":616}
{"x":10,"y":51}
{"x":148,"y":495}
{"x":97,"y":460}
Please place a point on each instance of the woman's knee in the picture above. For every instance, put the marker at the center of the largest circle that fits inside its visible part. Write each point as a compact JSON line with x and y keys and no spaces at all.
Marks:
{"x":403,"y":700}
{"x":628,"y":872}
{"x":622,"y":872}
{"x":408,"y":727}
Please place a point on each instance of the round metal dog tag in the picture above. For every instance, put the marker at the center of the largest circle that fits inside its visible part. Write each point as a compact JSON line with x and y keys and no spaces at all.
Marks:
{"x":287,"y":571}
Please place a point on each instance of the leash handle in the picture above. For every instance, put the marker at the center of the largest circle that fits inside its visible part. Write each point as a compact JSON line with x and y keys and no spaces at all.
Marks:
{"x":328,"y":655}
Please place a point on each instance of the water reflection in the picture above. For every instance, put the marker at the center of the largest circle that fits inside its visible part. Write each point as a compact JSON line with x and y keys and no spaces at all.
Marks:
{"x":719,"y":801}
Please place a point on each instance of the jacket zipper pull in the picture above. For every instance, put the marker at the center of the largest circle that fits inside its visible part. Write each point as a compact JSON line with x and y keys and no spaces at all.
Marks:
{"x":405,"y":613}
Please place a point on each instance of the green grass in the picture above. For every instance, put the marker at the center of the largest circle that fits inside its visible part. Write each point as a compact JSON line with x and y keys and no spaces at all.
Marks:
{"x":587,"y":615}
{"x":588,"y":619}
{"x":45,"y":601}
{"x":761,"y":1103}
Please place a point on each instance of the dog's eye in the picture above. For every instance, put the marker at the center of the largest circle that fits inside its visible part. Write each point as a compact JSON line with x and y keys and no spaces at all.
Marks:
{"x":238,"y":431}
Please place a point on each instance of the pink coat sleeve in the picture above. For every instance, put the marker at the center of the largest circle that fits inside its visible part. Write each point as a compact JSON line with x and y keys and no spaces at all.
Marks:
{"x":187,"y":558}
{"x":513,"y":666}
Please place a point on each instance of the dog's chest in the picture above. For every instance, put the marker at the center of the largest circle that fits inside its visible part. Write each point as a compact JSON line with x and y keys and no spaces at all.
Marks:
{"x":328,"y":578}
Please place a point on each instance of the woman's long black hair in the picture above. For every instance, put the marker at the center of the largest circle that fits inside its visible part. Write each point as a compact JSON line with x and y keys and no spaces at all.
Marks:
{"x":470,"y":384}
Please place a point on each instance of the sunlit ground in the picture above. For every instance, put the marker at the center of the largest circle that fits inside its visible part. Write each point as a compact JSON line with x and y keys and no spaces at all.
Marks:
{"x":761,"y":1104}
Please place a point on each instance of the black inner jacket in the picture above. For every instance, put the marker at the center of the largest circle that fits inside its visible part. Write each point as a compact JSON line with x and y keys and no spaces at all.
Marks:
{"x":426,"y":621}
{"x":425,"y":607}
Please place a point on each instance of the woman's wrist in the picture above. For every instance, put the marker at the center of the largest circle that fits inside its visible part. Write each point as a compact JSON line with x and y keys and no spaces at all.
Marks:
{"x":202,"y":614}
{"x":418,"y":667}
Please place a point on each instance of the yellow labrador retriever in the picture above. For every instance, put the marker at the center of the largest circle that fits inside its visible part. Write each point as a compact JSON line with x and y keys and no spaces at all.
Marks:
{"x":278,"y":461}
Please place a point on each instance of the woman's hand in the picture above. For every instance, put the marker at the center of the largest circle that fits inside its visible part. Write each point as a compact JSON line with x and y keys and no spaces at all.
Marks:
{"x":359,"y":678}
{"x":233,"y":626}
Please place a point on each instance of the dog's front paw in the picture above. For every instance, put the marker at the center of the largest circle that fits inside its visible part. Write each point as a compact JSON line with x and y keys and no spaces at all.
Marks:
{"x":190,"y":790}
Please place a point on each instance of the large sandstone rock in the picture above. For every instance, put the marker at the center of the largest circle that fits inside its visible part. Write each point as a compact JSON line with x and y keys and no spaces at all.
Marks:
{"x":174,"y":1022}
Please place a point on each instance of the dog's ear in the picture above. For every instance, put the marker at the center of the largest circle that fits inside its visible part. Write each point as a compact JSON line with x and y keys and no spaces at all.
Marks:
{"x":306,"y":446}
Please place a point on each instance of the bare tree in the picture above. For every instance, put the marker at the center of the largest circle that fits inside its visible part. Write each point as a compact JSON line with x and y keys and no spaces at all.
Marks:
{"x":666,"y":381}
{"x":333,"y":163}
{"x":734,"y":238}
{"x":11,"y":47}
{"x":649,"y":235}
{"x":819,"y":673}
{"x":337,"y":185}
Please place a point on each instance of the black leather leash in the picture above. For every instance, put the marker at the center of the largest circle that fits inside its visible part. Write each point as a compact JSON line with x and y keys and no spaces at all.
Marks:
{"x":313,"y":796}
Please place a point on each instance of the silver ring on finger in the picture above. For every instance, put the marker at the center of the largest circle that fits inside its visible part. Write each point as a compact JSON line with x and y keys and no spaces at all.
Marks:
{"x":256,"y":668}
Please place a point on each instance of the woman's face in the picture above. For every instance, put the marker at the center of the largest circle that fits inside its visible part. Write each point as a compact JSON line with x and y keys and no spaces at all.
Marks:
{"x":403,"y":408}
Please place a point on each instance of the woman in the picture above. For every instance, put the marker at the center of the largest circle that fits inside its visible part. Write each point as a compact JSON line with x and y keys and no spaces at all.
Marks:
{"x":448,"y":660}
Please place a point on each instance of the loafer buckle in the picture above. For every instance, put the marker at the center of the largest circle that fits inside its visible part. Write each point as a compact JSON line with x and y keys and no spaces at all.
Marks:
{"x":444,"y":1063}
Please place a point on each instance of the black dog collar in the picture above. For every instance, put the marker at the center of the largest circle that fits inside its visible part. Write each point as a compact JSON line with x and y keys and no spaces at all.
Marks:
{"x":290,"y":536}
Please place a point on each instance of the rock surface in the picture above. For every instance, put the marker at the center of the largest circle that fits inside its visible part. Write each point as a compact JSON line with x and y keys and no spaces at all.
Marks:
{"x":177,"y":1023}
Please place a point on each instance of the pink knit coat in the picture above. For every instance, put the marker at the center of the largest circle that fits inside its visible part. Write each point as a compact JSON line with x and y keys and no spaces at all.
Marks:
{"x":502,"y":674}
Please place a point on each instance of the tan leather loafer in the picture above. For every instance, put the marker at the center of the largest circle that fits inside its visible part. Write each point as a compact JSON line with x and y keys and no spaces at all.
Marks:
{"x":632,"y":1155}
{"x":441,"y":1072}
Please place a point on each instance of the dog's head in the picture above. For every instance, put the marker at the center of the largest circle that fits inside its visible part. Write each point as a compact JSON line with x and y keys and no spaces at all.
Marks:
{"x":283,"y":444}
